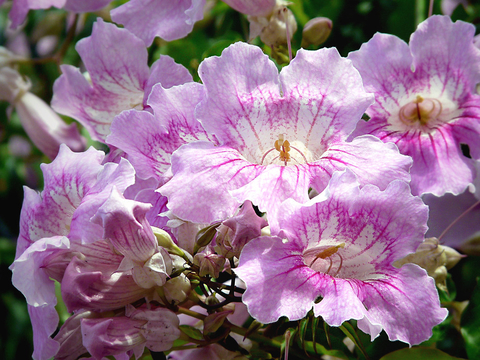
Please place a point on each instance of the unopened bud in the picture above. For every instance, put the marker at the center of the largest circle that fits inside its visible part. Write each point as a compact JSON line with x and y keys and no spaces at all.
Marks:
{"x":165,"y":241}
{"x":163,"y":238}
{"x":176,"y":290}
{"x":44,"y":127}
{"x":209,"y":263}
{"x":212,"y":300}
{"x":434,"y":258}
{"x":316,"y":31}
{"x":472,"y":246}
{"x":275,"y":33}
{"x":205,"y":236}
{"x":440,"y":275}
{"x":453,"y":256}
{"x":214,"y":321}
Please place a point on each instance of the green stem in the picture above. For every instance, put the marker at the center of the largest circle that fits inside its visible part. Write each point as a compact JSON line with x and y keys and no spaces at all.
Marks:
{"x":420,"y":11}
{"x":191,"y":313}
{"x":256,"y":337}
{"x":184,"y":347}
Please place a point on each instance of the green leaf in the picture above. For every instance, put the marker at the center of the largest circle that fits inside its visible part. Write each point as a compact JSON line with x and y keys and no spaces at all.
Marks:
{"x":191,"y":332}
{"x":418,"y":353}
{"x":450,"y":294}
{"x":317,"y":348}
{"x":470,"y":324}
{"x":260,"y":354}
{"x":351,"y":333}
{"x":302,"y":331}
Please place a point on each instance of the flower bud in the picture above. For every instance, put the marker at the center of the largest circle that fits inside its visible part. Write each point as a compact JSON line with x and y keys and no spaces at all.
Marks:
{"x":274,"y":32}
{"x":471,"y":247}
{"x":452,"y":255}
{"x":176,"y":290}
{"x":209,"y":262}
{"x":45,"y":128}
{"x":316,"y":31}
{"x":205,"y":236}
{"x":214,"y":321}
{"x":434,"y":258}
{"x":165,"y":240}
{"x":7,"y":57}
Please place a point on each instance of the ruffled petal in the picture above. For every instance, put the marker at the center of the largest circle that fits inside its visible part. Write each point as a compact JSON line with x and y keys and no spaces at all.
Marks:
{"x":120,"y":176}
{"x":252,"y":7}
{"x":389,"y":76}
{"x":239,"y":98}
{"x":88,"y":287}
{"x":170,"y":20}
{"x":362,"y":157}
{"x":149,"y":140}
{"x":411,"y":293}
{"x":29,"y":275}
{"x":20,"y":9}
{"x":331,"y":99}
{"x":125,"y":226}
{"x":44,"y":323}
{"x":67,"y":180}
{"x":267,"y":265}
{"x":167,"y":72}
{"x":450,"y":55}
{"x":116,"y":61}
{"x":218,"y":169}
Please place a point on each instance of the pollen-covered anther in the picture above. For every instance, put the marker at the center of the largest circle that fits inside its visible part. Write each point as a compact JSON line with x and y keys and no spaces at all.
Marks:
{"x":320,"y":259}
{"x":283,"y":147}
{"x":420,"y":111}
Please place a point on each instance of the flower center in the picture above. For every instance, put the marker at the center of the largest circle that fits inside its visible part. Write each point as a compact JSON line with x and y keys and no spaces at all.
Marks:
{"x":420,"y":111}
{"x":285,"y":153}
{"x":321,"y":259}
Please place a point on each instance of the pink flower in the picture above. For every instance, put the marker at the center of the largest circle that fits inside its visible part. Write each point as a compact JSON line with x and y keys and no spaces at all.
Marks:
{"x":426,"y":100}
{"x":76,"y":185}
{"x":335,"y":254}
{"x":278,"y":134}
{"x":120,"y":78}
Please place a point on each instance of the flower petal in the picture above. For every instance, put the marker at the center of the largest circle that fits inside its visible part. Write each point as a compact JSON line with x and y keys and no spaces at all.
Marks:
{"x":169,"y":20}
{"x":117,"y":64}
{"x":218,"y":169}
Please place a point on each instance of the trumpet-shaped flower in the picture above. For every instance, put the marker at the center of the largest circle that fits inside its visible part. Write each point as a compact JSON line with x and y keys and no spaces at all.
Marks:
{"x":335,"y":254}
{"x":53,"y":225}
{"x":128,"y":335}
{"x":278,"y":134}
{"x":426,"y":100}
{"x":119,"y":78}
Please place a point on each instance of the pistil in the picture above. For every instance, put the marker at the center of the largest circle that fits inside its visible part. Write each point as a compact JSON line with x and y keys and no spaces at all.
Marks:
{"x":420,"y":111}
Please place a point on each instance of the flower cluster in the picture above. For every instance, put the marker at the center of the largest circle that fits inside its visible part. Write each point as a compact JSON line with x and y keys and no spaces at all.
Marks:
{"x":256,"y":192}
